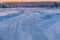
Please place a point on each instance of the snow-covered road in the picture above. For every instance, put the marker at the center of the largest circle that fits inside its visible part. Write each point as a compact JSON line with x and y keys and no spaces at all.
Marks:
{"x":29,"y":24}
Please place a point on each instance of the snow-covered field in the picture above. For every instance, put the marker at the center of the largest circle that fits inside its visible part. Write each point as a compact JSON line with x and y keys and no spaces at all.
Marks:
{"x":29,"y":24}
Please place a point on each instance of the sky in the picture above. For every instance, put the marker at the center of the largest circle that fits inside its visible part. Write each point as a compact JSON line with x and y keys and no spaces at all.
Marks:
{"x":28,"y":0}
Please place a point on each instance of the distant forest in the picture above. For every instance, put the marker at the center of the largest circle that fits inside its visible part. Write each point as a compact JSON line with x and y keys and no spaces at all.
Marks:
{"x":30,"y":4}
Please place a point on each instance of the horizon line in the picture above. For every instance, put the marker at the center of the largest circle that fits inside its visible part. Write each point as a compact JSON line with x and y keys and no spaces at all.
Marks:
{"x":40,"y":1}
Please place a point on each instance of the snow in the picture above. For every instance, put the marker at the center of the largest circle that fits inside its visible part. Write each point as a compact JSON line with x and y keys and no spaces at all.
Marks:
{"x":29,"y":24}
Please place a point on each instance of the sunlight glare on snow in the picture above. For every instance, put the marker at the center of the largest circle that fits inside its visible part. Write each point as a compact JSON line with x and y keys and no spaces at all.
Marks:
{"x":6,"y":12}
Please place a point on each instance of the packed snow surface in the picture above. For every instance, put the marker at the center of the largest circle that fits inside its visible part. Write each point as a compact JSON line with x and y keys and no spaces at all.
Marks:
{"x":29,"y":24}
